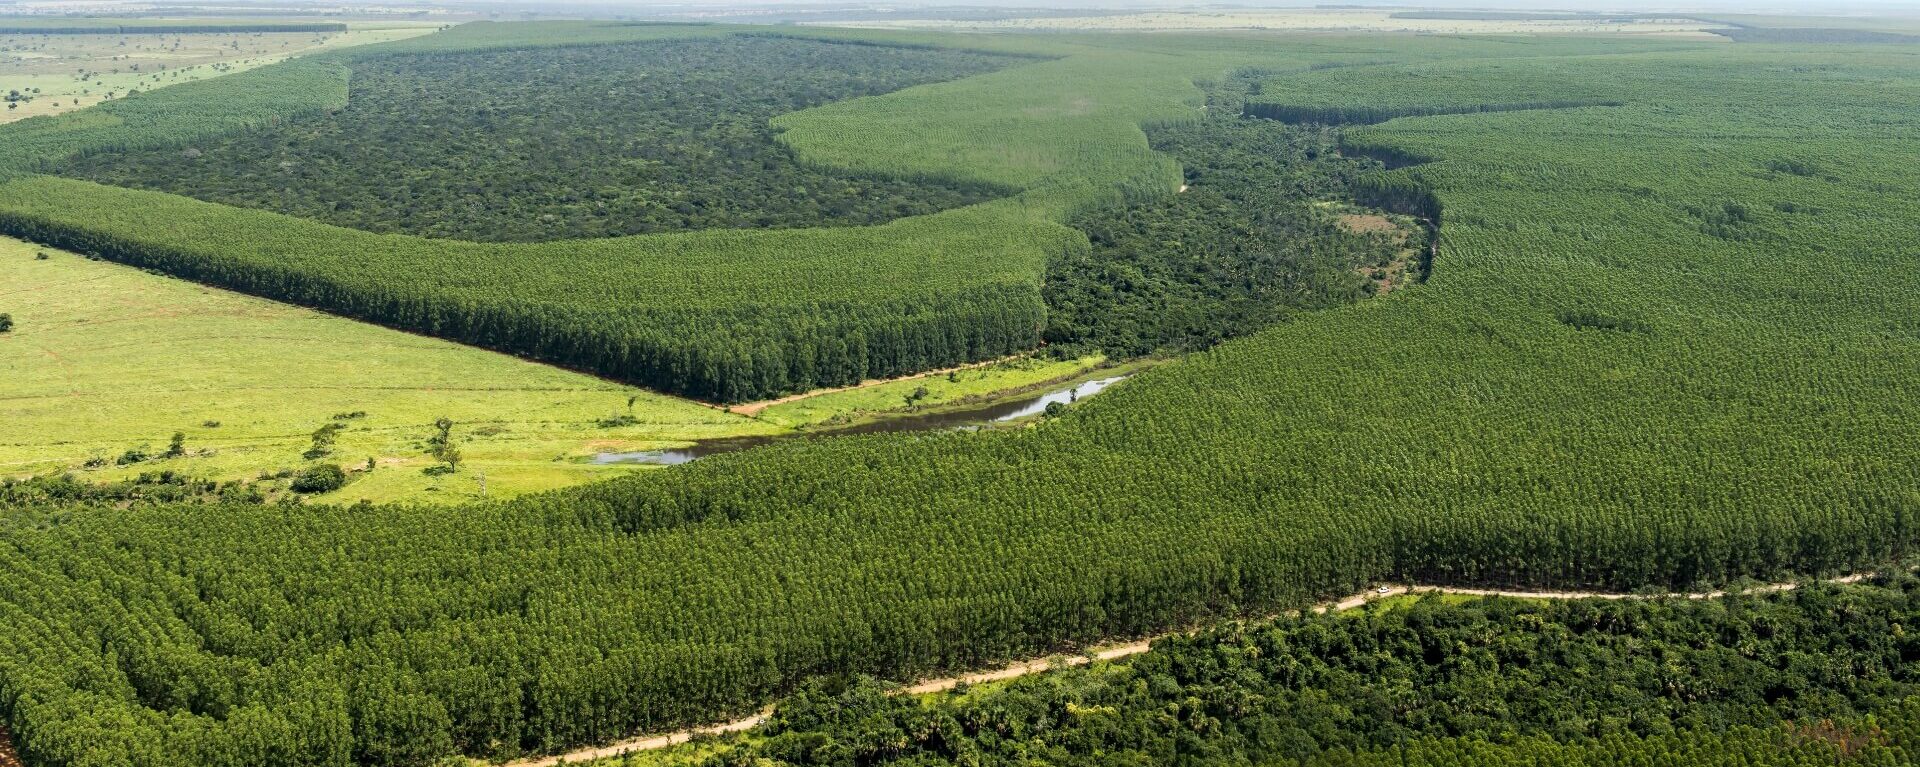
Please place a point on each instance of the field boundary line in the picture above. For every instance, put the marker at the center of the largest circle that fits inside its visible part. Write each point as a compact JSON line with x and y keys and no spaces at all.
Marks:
{"x":1116,"y":651}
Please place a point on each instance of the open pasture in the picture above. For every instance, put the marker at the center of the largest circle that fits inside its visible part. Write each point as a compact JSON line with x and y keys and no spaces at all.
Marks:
{"x":104,"y":359}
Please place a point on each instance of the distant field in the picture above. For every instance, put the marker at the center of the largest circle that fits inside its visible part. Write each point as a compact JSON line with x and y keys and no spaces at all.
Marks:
{"x":1347,"y":20}
{"x":63,"y":25}
{"x":57,"y":73}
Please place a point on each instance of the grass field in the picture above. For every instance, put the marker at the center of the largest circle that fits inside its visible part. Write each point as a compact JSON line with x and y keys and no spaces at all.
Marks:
{"x":107,"y":358}
{"x":116,"y":64}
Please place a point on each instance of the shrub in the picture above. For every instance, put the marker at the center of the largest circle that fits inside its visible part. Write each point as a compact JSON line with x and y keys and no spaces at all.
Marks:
{"x":319,"y":478}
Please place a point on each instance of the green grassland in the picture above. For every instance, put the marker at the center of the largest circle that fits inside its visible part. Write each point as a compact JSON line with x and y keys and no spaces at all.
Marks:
{"x":104,"y":358}
{"x":1662,"y":343}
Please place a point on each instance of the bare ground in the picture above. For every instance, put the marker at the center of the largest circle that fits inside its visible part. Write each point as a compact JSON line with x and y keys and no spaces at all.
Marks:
{"x":8,"y":757}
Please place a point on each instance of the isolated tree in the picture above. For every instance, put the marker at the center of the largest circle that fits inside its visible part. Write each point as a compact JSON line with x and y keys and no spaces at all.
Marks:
{"x":6,"y":323}
{"x":441,"y":446}
{"x":177,"y":446}
{"x":323,"y":439}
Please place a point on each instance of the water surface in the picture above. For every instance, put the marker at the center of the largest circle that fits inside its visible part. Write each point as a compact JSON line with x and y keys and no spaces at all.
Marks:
{"x":973,"y":418}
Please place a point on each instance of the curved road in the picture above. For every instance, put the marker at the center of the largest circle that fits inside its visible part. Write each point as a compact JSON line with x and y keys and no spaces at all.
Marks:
{"x":1111,"y":652}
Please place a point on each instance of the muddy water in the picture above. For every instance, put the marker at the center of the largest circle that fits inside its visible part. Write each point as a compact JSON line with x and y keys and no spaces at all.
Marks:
{"x":1011,"y":410}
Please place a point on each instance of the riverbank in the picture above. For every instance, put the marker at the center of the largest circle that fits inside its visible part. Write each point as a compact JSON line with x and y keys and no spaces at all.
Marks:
{"x":999,"y":410}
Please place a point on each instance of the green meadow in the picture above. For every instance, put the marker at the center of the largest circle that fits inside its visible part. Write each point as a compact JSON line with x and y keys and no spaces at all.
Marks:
{"x":104,"y":358}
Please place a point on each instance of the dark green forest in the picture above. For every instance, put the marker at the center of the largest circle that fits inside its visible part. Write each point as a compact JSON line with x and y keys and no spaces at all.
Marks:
{"x":1249,"y":242}
{"x":566,"y":143}
{"x":1834,"y":668}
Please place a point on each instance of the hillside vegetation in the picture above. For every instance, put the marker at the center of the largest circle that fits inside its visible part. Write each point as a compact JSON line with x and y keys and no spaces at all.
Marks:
{"x":1663,"y":342}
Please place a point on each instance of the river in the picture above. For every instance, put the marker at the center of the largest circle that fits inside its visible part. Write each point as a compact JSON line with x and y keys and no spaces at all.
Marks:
{"x":971,"y":418}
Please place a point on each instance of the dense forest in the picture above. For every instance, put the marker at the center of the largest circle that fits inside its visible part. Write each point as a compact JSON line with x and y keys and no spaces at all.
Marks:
{"x":1411,"y":679}
{"x":1661,"y":344}
{"x":1250,"y":240}
{"x":565,"y":143}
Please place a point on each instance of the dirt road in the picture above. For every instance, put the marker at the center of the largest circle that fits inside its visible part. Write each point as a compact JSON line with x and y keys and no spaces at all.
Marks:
{"x":1116,"y":651}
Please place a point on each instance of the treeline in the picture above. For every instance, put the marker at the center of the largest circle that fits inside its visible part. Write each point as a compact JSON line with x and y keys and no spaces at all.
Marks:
{"x":552,"y":143}
{"x":1362,"y":114}
{"x":1822,"y":672}
{"x":152,"y":487}
{"x":1814,"y":35}
{"x":59,"y":27}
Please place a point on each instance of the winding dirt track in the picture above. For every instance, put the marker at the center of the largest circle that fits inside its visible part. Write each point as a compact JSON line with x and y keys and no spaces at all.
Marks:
{"x":1111,"y":652}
